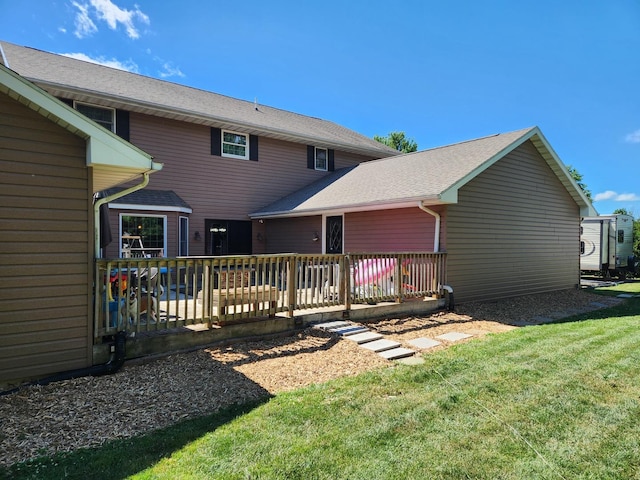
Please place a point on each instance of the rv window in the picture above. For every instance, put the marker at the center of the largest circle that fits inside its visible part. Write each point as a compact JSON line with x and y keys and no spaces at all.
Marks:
{"x":581,"y":248}
{"x":620,"y":236}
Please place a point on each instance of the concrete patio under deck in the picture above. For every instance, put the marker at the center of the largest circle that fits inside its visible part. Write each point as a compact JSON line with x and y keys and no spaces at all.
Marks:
{"x":189,"y":337}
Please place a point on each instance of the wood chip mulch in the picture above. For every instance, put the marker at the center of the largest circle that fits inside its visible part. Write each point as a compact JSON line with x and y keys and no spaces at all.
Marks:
{"x":88,"y":411}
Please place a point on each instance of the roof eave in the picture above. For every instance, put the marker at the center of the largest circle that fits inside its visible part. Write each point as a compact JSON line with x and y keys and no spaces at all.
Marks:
{"x":210,"y":120}
{"x":102,"y":144}
{"x":450,"y":195}
{"x":361,"y":207}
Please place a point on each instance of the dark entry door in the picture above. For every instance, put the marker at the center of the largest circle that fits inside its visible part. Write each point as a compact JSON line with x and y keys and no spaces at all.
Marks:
{"x":228,"y":237}
{"x":334,"y":234}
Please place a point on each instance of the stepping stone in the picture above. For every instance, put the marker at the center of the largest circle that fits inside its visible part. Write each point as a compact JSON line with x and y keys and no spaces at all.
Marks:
{"x":414,"y":360}
{"x":349,"y":330}
{"x":380,"y":345}
{"x":424,"y":343}
{"x":454,"y":336}
{"x":330,"y":325}
{"x":364,"y":337}
{"x":625,"y":295}
{"x":396,"y":353}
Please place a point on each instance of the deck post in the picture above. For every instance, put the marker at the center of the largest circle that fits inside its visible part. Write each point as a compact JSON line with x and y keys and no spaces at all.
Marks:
{"x":291,"y":284}
{"x":345,"y":282}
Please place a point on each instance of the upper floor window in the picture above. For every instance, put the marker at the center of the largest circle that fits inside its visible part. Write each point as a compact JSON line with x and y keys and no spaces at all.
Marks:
{"x":235,"y":145}
{"x":101,"y":115}
{"x":321,"y":158}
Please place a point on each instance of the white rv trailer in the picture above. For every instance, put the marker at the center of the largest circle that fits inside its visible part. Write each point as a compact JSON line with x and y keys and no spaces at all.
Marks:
{"x":606,"y":244}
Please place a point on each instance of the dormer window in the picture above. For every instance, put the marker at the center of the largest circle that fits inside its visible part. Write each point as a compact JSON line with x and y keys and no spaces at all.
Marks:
{"x":101,"y":115}
{"x":235,"y":145}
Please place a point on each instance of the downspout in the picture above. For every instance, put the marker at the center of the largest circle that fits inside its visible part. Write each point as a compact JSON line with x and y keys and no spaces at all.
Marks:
{"x":436,"y":237}
{"x":102,"y":201}
{"x":448,"y":289}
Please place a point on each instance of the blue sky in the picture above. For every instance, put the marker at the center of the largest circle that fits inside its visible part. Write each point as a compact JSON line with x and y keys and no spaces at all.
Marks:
{"x":442,"y":72}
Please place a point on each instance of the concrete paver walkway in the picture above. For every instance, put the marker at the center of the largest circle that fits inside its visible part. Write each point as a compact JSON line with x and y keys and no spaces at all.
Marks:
{"x":393,"y":350}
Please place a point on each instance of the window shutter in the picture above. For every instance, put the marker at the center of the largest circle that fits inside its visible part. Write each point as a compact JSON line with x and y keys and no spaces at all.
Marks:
{"x":331,"y":164}
{"x":253,"y":148}
{"x":216,"y":141}
{"x":311,"y":157}
{"x":122,"y":124}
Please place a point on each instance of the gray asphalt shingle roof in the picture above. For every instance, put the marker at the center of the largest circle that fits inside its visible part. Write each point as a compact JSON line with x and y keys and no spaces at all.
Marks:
{"x":84,"y":81}
{"x":155,"y":198}
{"x":432,"y":176}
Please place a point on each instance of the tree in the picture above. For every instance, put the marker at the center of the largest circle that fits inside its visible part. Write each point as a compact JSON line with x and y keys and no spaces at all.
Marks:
{"x":398,"y":141}
{"x":577,"y":176}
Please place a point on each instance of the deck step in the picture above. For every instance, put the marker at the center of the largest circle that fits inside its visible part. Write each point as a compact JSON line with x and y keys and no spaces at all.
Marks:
{"x":380,"y":345}
{"x":396,"y":353}
{"x":364,"y":337}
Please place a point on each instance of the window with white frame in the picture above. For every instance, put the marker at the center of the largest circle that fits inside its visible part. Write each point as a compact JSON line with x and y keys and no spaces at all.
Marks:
{"x":143,"y":235}
{"x":321,"y":159}
{"x":101,"y":115}
{"x":235,"y":145}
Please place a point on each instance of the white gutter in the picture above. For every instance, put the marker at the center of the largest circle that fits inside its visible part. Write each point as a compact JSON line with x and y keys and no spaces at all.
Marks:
{"x":436,"y":237}
{"x":115,"y":196}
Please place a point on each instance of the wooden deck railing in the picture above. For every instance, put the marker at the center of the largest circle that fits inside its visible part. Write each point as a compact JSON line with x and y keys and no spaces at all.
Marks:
{"x":149,"y":294}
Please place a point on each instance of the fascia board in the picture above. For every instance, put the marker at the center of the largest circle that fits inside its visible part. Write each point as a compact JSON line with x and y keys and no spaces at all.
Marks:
{"x":103,"y":146}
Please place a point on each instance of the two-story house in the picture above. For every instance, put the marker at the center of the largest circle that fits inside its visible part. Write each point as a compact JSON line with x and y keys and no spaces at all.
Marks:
{"x":223,"y":157}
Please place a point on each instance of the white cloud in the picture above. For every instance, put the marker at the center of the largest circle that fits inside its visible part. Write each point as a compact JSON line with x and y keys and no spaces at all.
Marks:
{"x":128,"y":65}
{"x":627,"y":197}
{"x":633,"y":137}
{"x":616,"y":197}
{"x":169,"y":70}
{"x":110,"y":13}
{"x":84,"y":24}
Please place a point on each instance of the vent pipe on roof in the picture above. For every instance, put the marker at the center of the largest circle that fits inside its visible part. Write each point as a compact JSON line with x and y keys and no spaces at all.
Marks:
{"x":436,"y":236}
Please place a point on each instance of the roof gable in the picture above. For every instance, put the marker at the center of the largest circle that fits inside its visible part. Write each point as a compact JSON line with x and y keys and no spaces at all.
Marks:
{"x":113,"y":159}
{"x":430,"y":176}
{"x":84,"y":81}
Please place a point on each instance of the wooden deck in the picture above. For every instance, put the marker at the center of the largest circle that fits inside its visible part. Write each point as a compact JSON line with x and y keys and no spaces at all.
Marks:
{"x":169,"y":304}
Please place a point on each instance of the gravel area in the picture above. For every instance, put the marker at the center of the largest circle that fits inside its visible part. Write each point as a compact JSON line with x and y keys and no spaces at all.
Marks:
{"x":88,"y":411}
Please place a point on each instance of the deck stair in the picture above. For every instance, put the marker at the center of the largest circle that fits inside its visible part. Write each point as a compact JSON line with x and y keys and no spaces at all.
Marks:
{"x":365,"y":338}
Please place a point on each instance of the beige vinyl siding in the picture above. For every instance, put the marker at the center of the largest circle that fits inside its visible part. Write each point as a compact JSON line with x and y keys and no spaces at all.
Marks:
{"x":514,"y":231}
{"x":45,"y":246}
{"x":220,"y":187}
{"x":397,"y":230}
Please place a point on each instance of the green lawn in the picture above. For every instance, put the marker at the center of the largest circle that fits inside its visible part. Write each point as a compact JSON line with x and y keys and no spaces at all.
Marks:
{"x":553,"y":401}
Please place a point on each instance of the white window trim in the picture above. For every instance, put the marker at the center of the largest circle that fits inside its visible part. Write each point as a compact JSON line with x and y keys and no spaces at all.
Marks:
{"x":326,"y":159}
{"x":180,"y":219}
{"x":113,"y":112}
{"x":128,"y":214}
{"x":231,"y":155}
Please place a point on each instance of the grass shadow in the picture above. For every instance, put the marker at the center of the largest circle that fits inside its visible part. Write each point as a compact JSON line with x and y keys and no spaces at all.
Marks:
{"x":125,"y":457}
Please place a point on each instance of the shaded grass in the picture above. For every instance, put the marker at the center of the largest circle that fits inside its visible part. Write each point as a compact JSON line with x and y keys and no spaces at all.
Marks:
{"x":553,"y":401}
